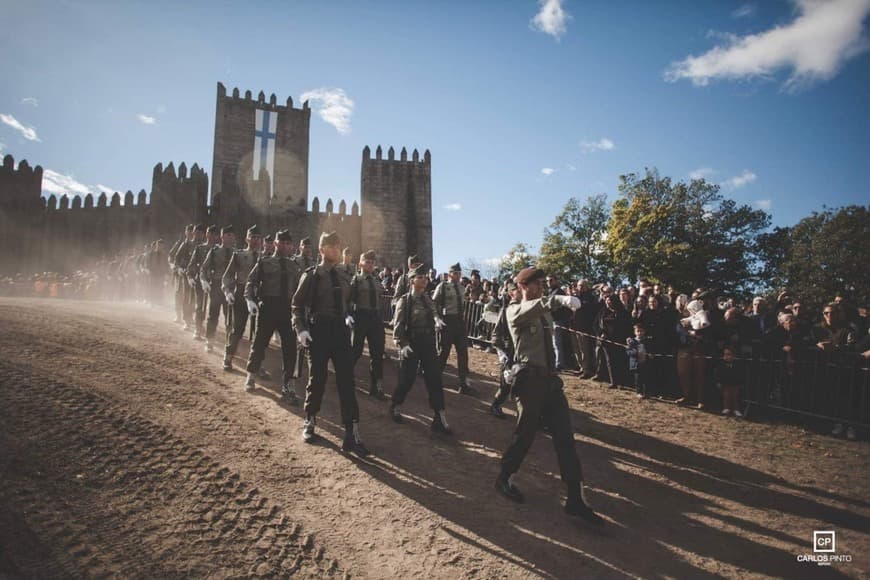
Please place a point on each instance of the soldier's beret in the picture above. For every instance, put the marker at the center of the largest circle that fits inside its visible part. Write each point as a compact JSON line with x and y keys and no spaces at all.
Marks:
{"x":284,"y":236}
{"x":254,"y":231}
{"x":414,"y":260}
{"x":370,"y":255}
{"x":456,"y":267}
{"x":329,"y":239}
{"x":269,"y":238}
{"x":188,"y":228}
{"x":228,"y":230}
{"x":529,"y":274}
{"x":305,"y":242}
{"x":475,"y":273}
{"x":212,"y":229}
{"x":199,"y":228}
{"x":420,"y":270}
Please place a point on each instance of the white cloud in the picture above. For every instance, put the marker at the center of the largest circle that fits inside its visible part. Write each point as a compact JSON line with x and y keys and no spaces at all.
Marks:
{"x":548,"y":171}
{"x":30,"y":101}
{"x":764,"y":204}
{"x":551,"y":18}
{"x":59,"y":184}
{"x":333,"y":106}
{"x":570,"y":167}
{"x":491,"y":262}
{"x":603,"y":144}
{"x":453,"y":206}
{"x":2,"y":146}
{"x":105,"y":189}
{"x":743,"y":11}
{"x":28,"y":133}
{"x":824,"y":35}
{"x":146,"y":119}
{"x":701,"y":173}
{"x":741,"y":180}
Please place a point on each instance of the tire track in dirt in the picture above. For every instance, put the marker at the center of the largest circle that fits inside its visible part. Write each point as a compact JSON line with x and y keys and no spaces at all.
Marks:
{"x":188,"y":514}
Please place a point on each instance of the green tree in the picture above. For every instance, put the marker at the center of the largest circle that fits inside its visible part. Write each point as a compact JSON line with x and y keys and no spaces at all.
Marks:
{"x":685,"y":234}
{"x":517,"y":258}
{"x":573,"y":245}
{"x":828,"y":254}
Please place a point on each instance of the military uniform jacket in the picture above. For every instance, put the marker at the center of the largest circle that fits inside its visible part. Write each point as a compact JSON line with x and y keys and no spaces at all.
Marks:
{"x":236,"y":274}
{"x":348,"y":270}
{"x":449,"y":298}
{"x":531,"y":328}
{"x":173,"y":249}
{"x":501,"y":336}
{"x":403,"y":286}
{"x":365,"y":292}
{"x":304,"y":261}
{"x":414,"y":313}
{"x":264,"y":281}
{"x":197,"y":258}
{"x":156,"y":263}
{"x":182,"y":256}
{"x":215,"y":264}
{"x":323,"y":292}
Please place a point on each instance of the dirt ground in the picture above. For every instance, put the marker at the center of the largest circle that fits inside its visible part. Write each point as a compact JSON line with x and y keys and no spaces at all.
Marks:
{"x":126,"y":451}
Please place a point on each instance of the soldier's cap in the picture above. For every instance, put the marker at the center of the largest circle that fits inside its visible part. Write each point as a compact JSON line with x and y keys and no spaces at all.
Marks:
{"x":415,"y":259}
{"x":305,"y":242}
{"x":269,"y":238}
{"x":369,"y":255}
{"x":254,"y":231}
{"x":329,"y":239}
{"x":212,"y":229}
{"x":228,"y":230}
{"x":199,"y":228}
{"x":420,"y":270}
{"x":189,"y":228}
{"x":284,"y":236}
{"x":529,"y":274}
{"x":475,"y":273}
{"x":456,"y":267}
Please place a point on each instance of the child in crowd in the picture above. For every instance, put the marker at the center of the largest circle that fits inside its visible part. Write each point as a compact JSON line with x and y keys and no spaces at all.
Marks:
{"x":729,"y":378}
{"x":638,"y":352}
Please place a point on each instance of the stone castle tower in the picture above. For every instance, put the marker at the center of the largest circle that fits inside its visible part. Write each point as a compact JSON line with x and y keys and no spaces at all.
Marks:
{"x":260,"y":175}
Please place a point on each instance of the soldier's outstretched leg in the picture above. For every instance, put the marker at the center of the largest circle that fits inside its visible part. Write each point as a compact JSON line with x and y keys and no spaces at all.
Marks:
{"x":240,"y":322}
{"x":288,"y":353}
{"x":216,"y":303}
{"x":258,"y":348}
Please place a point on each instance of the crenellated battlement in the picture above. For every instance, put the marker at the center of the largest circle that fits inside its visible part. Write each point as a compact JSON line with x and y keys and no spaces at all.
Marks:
{"x":391,"y":156}
{"x":329,"y":209}
{"x":260,"y":102}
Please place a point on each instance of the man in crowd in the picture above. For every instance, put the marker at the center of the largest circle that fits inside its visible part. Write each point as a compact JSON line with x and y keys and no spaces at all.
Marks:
{"x":450,"y":303}
{"x":210,"y":276}
{"x":193,"y":268}
{"x":365,"y":298}
{"x":180,"y":260}
{"x":233,"y":284}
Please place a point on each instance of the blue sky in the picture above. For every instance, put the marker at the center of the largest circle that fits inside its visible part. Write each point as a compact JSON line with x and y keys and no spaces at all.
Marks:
{"x":522,"y":104}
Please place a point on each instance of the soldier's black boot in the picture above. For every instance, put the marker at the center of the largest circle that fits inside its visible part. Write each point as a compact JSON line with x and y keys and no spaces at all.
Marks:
{"x":576,"y":505}
{"x":439,"y":423}
{"x":395,"y":413}
{"x":352,"y":440}
{"x":377,"y":390}
{"x":308,"y":429}
{"x":496,"y":411}
{"x":288,"y":393}
{"x":505,"y":486}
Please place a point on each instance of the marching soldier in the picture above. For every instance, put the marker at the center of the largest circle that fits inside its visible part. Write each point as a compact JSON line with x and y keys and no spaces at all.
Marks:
{"x":174,"y":275}
{"x":347,"y":267}
{"x":157,"y":270}
{"x":305,"y":259}
{"x":504,"y":345}
{"x":268,"y":294}
{"x":365,"y":298}
{"x":179,"y":260}
{"x":323,"y":324}
{"x":539,"y":390}
{"x":414,"y":327}
{"x":233,"y":285}
{"x":210,"y":276}
{"x":193,"y":268}
{"x":450,"y":303}
{"x":268,"y":246}
{"x":403,"y":284}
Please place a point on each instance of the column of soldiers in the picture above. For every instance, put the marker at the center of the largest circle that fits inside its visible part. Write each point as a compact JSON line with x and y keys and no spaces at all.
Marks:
{"x":329,"y":309}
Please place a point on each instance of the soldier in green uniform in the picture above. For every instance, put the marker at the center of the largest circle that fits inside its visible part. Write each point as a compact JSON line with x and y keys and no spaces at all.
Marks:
{"x":212,"y":235}
{"x":347,"y":266}
{"x":268,"y":294}
{"x":157,"y":269}
{"x":305,"y":259}
{"x":449,"y":300}
{"x":323,"y":324}
{"x":538,"y":389}
{"x":415,"y":324}
{"x":176,"y":288}
{"x":403,"y":284}
{"x":504,"y":345}
{"x":268,"y":246}
{"x":233,"y":285}
{"x":210,"y":276}
{"x":365,"y":299}
{"x":180,"y":260}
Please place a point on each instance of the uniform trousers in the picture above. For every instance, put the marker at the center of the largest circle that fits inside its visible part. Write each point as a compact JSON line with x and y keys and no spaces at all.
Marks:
{"x":199,"y":304}
{"x":274,"y":315}
{"x":369,"y":326}
{"x":540,"y":399}
{"x":239,"y":320}
{"x":454,"y":335}
{"x":178,"y":287}
{"x":330,"y":339}
{"x":504,"y":389}
{"x":423,"y":345}
{"x":217,"y":303}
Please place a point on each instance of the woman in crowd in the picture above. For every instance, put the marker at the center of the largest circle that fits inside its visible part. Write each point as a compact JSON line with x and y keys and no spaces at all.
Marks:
{"x":691,"y":364}
{"x":613,"y":327}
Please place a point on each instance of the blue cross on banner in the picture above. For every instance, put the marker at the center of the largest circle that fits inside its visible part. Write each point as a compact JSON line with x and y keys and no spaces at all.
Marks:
{"x":265,"y":126}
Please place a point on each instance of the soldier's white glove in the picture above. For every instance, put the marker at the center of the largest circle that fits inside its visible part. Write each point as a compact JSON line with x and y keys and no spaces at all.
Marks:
{"x":349,"y":321}
{"x":305,"y":338}
{"x":206,"y":286}
{"x":253,"y":308}
{"x":231,"y":298}
{"x":406,"y":352}
{"x":192,"y":281}
{"x":439,"y":323}
{"x":502,"y":356}
{"x":571,"y":302}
